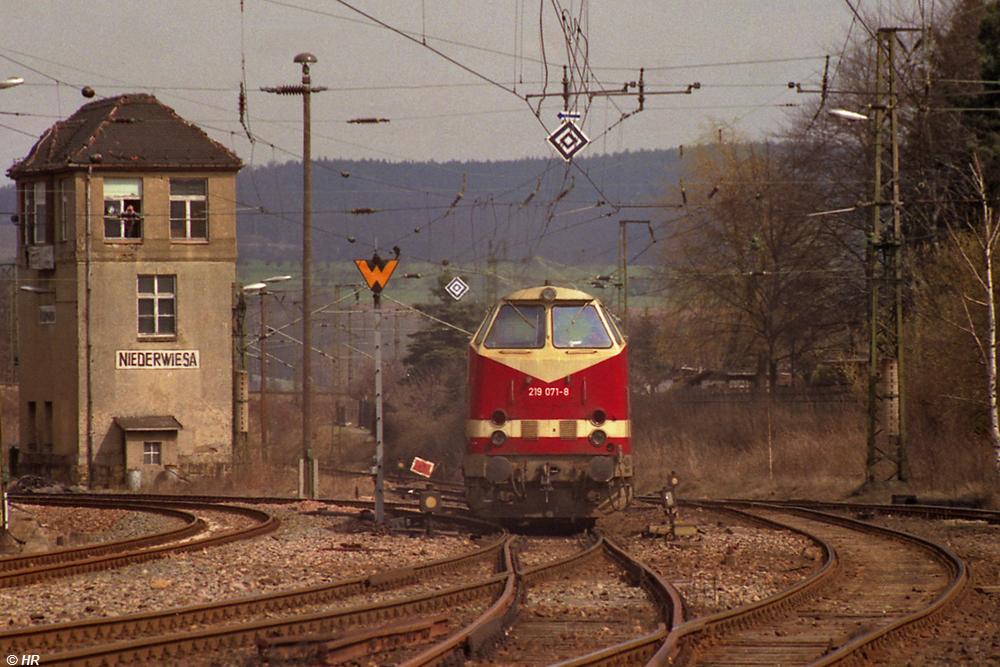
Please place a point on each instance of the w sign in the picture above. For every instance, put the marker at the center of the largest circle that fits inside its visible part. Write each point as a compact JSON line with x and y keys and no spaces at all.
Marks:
{"x":376,"y":271}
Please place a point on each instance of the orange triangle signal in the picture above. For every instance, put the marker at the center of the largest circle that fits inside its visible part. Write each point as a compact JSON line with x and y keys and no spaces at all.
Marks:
{"x":376,"y":271}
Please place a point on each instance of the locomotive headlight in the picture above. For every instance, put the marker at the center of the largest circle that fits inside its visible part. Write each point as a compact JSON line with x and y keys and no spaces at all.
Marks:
{"x":598,"y":438}
{"x":548,"y":294}
{"x":498,"y":438}
{"x":498,"y":418}
{"x":598,"y":417}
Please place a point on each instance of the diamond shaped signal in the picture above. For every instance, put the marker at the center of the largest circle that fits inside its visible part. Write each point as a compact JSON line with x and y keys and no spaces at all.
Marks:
{"x":456,"y":288}
{"x":568,"y":140}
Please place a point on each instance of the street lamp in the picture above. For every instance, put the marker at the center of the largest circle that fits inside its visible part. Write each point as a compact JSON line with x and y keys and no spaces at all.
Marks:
{"x":847,"y":115}
{"x":262,"y":291}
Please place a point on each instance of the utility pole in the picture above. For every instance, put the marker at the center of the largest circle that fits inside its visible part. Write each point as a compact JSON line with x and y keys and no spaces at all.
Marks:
{"x":240,"y":385}
{"x":886,"y":424}
{"x":307,"y":487}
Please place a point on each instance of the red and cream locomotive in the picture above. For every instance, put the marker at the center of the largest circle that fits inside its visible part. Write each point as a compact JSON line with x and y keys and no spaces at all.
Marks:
{"x":548,"y":427}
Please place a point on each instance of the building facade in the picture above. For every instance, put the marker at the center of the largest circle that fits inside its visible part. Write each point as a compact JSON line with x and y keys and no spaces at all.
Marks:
{"x":126,"y":266}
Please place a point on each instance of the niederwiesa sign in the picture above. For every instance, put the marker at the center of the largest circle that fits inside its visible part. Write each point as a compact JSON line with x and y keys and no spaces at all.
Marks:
{"x":162,"y":360}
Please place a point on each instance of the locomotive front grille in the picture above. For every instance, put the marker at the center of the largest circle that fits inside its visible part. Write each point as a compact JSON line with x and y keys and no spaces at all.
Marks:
{"x":529,"y":429}
{"x":567,"y":429}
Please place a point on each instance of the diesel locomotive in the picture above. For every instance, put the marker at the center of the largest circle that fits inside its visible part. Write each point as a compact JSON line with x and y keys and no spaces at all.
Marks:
{"x":548,"y":424}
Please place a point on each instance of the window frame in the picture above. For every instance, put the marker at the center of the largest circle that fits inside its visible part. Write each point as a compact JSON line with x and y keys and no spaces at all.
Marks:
{"x":116,"y":214}
{"x":27,"y":192}
{"x":152,"y":452}
{"x":157,"y":297}
{"x":517,"y":308}
{"x":188,"y":219}
{"x":484,"y":327}
{"x":46,"y":313}
{"x":581,"y":308}
{"x":66,"y":202}
{"x":39,"y":213}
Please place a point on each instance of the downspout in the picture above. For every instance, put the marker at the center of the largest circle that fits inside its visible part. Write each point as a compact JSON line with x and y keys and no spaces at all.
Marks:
{"x":86,"y":315}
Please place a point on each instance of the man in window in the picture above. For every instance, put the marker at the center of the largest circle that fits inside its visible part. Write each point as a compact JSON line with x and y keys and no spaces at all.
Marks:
{"x":131,"y":223}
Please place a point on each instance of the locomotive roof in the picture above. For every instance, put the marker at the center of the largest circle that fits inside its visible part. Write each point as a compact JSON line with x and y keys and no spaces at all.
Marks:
{"x":535,"y":294}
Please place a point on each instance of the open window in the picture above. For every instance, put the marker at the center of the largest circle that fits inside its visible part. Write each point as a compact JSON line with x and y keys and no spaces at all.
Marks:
{"x":123,"y":208}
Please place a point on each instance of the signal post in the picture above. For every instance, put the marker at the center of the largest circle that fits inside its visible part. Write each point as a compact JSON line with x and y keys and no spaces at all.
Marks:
{"x":376,"y":273}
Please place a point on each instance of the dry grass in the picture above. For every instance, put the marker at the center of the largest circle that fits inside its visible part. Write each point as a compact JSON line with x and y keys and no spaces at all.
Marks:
{"x":729,"y":448}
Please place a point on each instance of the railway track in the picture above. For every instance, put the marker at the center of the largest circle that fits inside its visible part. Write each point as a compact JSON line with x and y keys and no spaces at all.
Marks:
{"x":488,"y":638}
{"x":33,"y":568}
{"x":873,"y":584}
{"x":238,"y":623}
{"x":398,"y":615}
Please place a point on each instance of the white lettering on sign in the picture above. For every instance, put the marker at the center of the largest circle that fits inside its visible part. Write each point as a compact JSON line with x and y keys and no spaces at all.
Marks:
{"x":548,"y":391}
{"x":157,"y":359}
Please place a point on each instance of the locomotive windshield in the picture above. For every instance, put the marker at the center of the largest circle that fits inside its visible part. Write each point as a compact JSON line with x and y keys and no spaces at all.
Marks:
{"x":517,"y":327}
{"x":578,"y":326}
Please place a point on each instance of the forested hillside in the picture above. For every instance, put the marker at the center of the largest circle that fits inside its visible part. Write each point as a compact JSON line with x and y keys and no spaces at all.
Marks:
{"x":524,"y":207}
{"x":461,"y":209}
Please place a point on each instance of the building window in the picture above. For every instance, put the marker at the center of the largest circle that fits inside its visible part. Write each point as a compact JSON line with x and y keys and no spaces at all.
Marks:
{"x":27,"y":193}
{"x":35,"y":218}
{"x":157,"y":305}
{"x":188,"y":209}
{"x":46,"y":314}
{"x":65,"y":207}
{"x":32,"y":434}
{"x":40,"y":215}
{"x":152,"y":453}
{"x":122,"y":208}
{"x":47,"y":425}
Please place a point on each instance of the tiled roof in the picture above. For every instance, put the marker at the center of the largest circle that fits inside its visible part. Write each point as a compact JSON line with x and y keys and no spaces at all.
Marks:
{"x":148,"y":423}
{"x":125,"y":132}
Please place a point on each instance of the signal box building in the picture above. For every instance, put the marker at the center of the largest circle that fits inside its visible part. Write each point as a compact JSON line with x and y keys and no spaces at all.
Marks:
{"x":126,"y":264}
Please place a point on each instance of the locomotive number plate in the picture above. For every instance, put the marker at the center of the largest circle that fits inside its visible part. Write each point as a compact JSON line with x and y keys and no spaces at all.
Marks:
{"x":535,"y":392}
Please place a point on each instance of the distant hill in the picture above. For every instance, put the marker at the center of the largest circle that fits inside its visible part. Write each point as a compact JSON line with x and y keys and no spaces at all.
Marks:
{"x":519,"y":208}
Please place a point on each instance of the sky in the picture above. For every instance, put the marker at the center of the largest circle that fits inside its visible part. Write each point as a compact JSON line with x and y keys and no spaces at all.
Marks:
{"x":193,"y":55}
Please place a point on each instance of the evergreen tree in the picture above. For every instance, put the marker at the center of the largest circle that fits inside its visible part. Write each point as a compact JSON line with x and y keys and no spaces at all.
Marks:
{"x":438,"y":350}
{"x":986,"y":123}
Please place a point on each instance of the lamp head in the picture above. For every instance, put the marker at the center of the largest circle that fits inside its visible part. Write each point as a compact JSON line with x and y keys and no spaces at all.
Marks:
{"x":847,"y":115}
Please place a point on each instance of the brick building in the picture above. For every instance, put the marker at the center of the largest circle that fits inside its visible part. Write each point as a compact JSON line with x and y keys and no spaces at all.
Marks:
{"x":126,"y":264}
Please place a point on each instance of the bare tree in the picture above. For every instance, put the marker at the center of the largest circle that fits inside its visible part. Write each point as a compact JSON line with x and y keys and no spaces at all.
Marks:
{"x":975,"y":242}
{"x":751,"y":276}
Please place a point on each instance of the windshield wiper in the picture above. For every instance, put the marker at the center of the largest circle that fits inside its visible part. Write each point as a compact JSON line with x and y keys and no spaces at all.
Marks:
{"x":522,"y":316}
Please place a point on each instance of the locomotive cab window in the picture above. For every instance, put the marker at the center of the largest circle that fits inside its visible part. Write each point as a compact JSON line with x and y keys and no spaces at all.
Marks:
{"x":613,"y":325}
{"x":578,"y":326}
{"x":517,"y":327}
{"x":481,"y":331}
